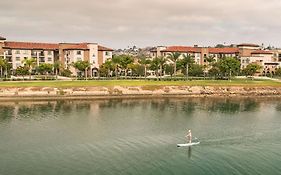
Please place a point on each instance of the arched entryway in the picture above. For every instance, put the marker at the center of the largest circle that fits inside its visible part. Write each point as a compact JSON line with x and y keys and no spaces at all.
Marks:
{"x":95,"y":72}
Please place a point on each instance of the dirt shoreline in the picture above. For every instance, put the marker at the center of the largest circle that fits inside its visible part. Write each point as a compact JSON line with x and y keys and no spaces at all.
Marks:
{"x":47,"y":93}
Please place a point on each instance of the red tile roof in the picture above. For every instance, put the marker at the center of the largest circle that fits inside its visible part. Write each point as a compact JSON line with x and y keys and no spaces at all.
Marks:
{"x":248,"y":45}
{"x":184,"y":49}
{"x":2,"y":38}
{"x":226,"y":50}
{"x":262,"y":52}
{"x":74,"y":46}
{"x":102,"y":48}
{"x":30,"y":45}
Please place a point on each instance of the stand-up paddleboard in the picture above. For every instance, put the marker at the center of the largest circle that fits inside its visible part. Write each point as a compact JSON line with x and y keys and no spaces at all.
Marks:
{"x":188,"y":144}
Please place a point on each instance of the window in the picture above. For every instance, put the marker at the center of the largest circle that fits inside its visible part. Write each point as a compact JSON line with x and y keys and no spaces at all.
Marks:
{"x":78,"y":52}
{"x":79,"y":59}
{"x":107,"y":53}
{"x":49,"y":52}
{"x":17,"y":58}
{"x":17,"y":52}
{"x":18,"y":65}
{"x":49,"y":59}
{"x":25,"y":58}
{"x":25,"y":52}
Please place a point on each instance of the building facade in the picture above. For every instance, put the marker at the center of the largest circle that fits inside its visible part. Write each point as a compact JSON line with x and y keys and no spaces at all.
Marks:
{"x":67,"y":53}
{"x":269,"y":60}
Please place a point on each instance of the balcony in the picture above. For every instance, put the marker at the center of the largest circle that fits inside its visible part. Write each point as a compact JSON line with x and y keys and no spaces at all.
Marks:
{"x":8,"y":52}
{"x":9,"y":59}
{"x":33,"y":54}
{"x":41,"y":54}
{"x":41,"y":60}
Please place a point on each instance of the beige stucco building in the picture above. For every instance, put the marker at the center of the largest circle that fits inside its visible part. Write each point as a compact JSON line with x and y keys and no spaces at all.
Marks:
{"x":246,"y":53}
{"x":67,"y":53}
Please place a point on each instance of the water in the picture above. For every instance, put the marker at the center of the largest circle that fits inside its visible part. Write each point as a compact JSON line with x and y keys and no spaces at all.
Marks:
{"x":238,"y":136}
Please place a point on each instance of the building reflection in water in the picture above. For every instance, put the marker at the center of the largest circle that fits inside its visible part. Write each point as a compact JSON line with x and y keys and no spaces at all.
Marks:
{"x":41,"y":109}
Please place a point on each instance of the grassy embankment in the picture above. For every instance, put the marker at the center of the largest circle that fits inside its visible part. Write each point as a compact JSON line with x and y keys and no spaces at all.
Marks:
{"x":151,"y":84}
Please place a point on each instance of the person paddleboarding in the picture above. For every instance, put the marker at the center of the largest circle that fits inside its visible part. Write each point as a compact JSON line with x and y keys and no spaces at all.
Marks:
{"x":189,"y":136}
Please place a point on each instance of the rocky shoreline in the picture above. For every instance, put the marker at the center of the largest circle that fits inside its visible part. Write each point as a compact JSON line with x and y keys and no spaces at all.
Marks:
{"x":136,"y":92}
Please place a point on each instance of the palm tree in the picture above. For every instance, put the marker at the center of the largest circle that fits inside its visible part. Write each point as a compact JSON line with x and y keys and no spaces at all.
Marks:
{"x":82,"y":66}
{"x":125,"y":60}
{"x":57,"y":66}
{"x":108,"y":65}
{"x":210,"y":62}
{"x":174,"y":56}
{"x":116,"y":64}
{"x":30,"y":63}
{"x":145,"y":62}
{"x":187,"y":59}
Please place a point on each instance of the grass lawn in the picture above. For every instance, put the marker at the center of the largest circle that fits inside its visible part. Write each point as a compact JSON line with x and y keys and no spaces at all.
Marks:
{"x":108,"y":83}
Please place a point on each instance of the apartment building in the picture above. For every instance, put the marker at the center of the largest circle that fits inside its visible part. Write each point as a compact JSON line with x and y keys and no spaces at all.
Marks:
{"x":199,"y":53}
{"x":246,"y":49}
{"x":263,"y":58}
{"x":16,"y":52}
{"x":246,"y":53}
{"x":95,"y":54}
{"x":67,"y":53}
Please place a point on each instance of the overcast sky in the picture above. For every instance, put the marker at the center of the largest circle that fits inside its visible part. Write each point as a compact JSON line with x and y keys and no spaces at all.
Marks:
{"x":122,"y":23}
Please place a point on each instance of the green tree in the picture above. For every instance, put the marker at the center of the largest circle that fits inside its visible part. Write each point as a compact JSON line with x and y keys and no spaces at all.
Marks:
{"x":144,"y":62}
{"x":66,"y":73}
{"x":106,"y":68}
{"x":251,"y":69}
{"x":229,"y":66}
{"x":125,"y":60}
{"x":214,"y":71}
{"x":30,"y":63}
{"x":174,"y":56}
{"x":22,"y":71}
{"x":45,"y":68}
{"x":169,"y":69}
{"x":139,"y":70}
{"x":209,"y":63}
{"x":185,"y":63}
{"x":210,"y":59}
{"x":82,"y":66}
{"x":278,"y":72}
{"x":116,"y":64}
{"x":196,"y":70}
{"x":57,"y":67}
{"x":155,"y":66}
{"x":103,"y":72}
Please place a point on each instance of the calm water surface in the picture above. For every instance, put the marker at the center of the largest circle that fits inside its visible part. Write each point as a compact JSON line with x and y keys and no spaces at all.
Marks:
{"x":238,"y":136}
